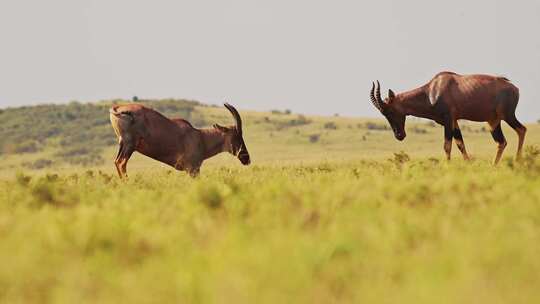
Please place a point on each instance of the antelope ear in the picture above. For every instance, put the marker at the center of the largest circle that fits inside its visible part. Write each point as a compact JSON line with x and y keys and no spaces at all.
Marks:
{"x":391,"y":95}
{"x":220,"y":128}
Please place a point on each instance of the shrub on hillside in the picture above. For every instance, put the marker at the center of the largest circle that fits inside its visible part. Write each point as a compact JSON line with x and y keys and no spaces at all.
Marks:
{"x":28,"y":146}
{"x":283,"y":124}
{"x":418,"y":130}
{"x":301,"y":120}
{"x":84,"y":156}
{"x":41,"y":163}
{"x":376,"y":126}
{"x":313,"y":138}
{"x":330,"y":125}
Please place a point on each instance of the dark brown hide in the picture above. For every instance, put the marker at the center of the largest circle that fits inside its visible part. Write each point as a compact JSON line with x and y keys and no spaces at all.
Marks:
{"x":174,"y":142}
{"x":449,"y":97}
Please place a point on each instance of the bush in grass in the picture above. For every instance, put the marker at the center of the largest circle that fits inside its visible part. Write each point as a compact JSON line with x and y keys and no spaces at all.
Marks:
{"x":38,"y":164}
{"x":330,"y":125}
{"x":313,"y":138}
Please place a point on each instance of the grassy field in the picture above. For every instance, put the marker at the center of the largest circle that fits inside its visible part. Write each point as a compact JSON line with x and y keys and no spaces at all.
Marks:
{"x":345,"y":217}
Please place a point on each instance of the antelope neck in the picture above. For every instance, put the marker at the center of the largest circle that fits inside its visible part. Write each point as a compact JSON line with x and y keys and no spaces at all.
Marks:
{"x":213,"y":141}
{"x":415,"y":103}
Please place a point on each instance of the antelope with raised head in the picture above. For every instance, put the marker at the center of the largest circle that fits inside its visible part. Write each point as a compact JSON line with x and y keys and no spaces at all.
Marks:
{"x":449,"y":97}
{"x":174,"y":142}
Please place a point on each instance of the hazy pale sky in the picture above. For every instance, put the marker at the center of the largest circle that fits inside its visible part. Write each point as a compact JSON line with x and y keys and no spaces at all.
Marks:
{"x":315,"y":57}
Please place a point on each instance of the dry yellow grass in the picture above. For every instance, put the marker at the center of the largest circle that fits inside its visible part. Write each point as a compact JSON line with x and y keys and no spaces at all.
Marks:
{"x":341,"y":220}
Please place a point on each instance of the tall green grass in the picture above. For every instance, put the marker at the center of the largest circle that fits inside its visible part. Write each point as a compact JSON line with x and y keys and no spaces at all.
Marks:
{"x":329,"y":212}
{"x":372,"y":231}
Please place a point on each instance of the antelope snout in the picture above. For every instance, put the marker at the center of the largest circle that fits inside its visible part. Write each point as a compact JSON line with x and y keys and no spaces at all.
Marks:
{"x":400,"y":136}
{"x":244,"y":158}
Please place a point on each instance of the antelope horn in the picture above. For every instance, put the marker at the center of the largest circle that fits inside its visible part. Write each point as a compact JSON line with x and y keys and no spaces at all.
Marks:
{"x":375,"y":96}
{"x":236,"y":116}
{"x":372,"y":97}
{"x":378,"y":93}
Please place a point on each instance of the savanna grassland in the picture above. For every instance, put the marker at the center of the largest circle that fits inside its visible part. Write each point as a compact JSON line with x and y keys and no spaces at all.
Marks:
{"x":332,"y":210}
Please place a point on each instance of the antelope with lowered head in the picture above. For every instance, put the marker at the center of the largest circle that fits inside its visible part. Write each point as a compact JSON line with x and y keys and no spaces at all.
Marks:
{"x":449,"y":97}
{"x":174,"y":142}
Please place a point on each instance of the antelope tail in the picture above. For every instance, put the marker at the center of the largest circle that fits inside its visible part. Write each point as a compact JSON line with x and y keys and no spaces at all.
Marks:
{"x":124,"y":115}
{"x":113,"y":112}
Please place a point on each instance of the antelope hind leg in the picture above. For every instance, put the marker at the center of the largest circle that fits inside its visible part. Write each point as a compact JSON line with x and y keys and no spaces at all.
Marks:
{"x":459,"y":141}
{"x":498,"y":136}
{"x":521,"y":130}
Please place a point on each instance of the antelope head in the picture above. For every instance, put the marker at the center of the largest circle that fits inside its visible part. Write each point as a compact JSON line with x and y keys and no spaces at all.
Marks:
{"x":388,"y":109}
{"x":234,"y":141}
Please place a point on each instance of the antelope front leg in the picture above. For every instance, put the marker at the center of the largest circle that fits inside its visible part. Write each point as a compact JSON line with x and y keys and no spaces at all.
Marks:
{"x":194,"y":172}
{"x":448,"y":134}
{"x":193,"y":169}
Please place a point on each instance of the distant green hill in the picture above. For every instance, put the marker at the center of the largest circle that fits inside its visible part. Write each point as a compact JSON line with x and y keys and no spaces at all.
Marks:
{"x":62,"y":136}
